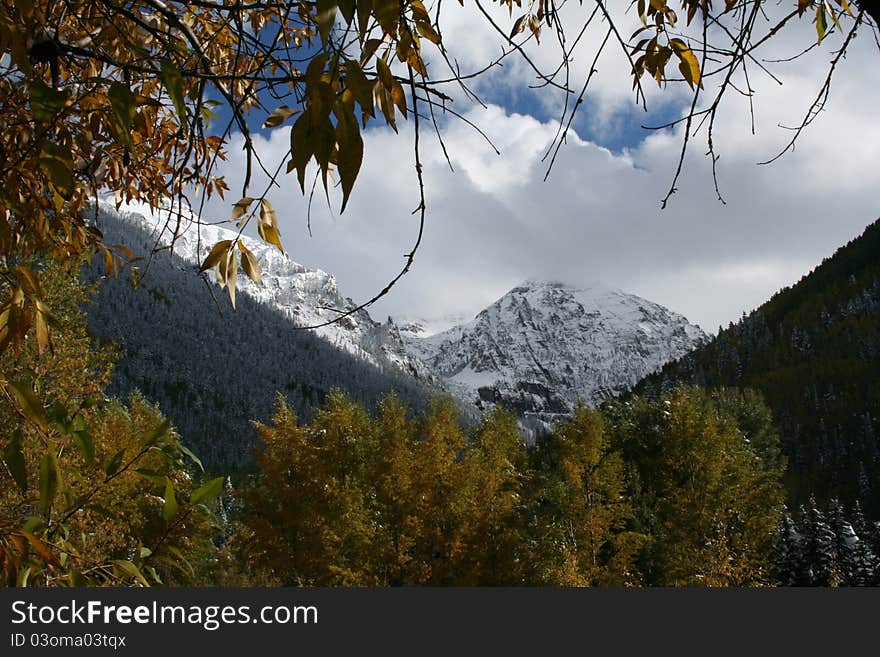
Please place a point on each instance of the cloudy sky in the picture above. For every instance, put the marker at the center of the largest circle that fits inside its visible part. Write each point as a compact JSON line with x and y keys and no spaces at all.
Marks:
{"x":493,"y":221}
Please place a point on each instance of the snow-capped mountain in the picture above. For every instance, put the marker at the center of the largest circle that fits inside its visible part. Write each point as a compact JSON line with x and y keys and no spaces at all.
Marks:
{"x":423,"y":327}
{"x":537,"y":350}
{"x":308,"y":297}
{"x":545,"y":345}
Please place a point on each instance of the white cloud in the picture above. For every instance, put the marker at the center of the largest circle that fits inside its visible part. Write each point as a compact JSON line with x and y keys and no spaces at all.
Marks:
{"x":494,"y":222}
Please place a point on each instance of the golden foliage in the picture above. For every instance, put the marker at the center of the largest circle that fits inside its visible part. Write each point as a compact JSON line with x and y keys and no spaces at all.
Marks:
{"x":352,"y":500}
{"x":92,"y":491}
{"x":679,"y":491}
{"x":120,"y":97}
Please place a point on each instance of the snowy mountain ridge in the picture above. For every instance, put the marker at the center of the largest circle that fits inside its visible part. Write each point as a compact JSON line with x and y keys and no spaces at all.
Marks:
{"x":545,"y":345}
{"x":308,"y":297}
{"x":423,"y":327}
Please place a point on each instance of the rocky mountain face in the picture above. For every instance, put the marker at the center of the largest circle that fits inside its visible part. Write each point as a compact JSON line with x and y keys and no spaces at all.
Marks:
{"x":307,"y":297}
{"x":545,"y":345}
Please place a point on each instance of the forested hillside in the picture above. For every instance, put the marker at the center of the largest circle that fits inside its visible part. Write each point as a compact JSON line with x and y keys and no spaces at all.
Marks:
{"x":813,"y":350}
{"x":213,"y":370}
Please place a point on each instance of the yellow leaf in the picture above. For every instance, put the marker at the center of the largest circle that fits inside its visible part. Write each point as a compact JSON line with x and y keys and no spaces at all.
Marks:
{"x":370,"y":46}
{"x":40,"y":548}
{"x":267,"y":213}
{"x":241,"y":206}
{"x":249,"y":264}
{"x":270,"y":235}
{"x":398,"y":97}
{"x":216,"y":254}
{"x":384,"y":74}
{"x":689,"y":66}
{"x":382,"y":98}
{"x":535,"y":27}
{"x":420,"y":14}
{"x":821,"y":23}
{"x":28,"y":275}
{"x":428,"y":32}
{"x":42,"y":332}
{"x":220,"y":270}
{"x":415,"y":60}
{"x":231,"y":275}
{"x":279,"y":116}
{"x":267,"y":227}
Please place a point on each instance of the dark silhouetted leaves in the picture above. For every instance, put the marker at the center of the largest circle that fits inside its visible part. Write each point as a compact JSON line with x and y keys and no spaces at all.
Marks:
{"x":48,"y":481}
{"x":45,"y":101}
{"x":351,"y":150}
{"x":124,"y":107}
{"x":173,"y":82}
{"x":13,"y":457}
{"x":169,"y":510}
{"x":114,"y":462}
{"x":29,"y":404}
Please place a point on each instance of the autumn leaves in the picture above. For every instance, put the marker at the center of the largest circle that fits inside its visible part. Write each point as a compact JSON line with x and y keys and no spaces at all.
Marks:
{"x":222,"y":258}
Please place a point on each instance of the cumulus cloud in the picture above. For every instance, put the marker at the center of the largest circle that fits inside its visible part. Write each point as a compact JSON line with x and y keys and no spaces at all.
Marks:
{"x":494,"y":222}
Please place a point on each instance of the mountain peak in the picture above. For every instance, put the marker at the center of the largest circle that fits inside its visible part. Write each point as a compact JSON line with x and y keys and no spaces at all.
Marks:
{"x":533,"y":284}
{"x":546,"y":344}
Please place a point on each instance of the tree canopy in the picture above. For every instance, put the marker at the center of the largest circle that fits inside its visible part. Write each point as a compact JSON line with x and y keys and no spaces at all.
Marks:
{"x":684,"y":490}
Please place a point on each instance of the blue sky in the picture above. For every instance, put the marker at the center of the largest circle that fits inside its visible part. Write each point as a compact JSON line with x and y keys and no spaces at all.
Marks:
{"x":495,"y":221}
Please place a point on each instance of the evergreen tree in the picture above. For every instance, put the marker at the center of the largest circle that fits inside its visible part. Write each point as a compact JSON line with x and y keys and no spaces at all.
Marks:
{"x":845,"y":540}
{"x":866,"y":563}
{"x":819,"y":562}
{"x":787,"y":559}
{"x":813,"y":352}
